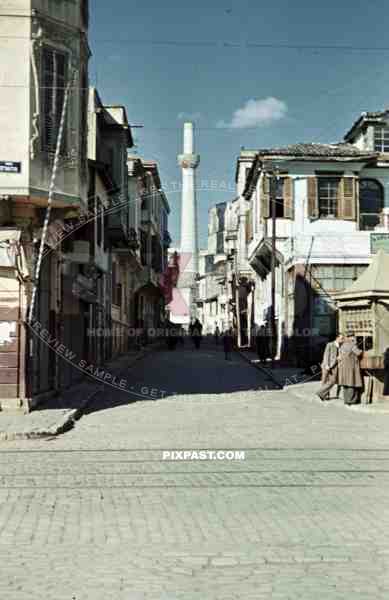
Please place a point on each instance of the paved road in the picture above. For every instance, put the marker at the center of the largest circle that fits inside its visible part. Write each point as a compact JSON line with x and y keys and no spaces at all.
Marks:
{"x":97,"y":513}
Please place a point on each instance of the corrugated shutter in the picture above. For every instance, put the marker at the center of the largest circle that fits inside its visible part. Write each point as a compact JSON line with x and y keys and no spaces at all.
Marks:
{"x":347,"y":199}
{"x":313,"y":208}
{"x":265,"y":197}
{"x":288,"y":197}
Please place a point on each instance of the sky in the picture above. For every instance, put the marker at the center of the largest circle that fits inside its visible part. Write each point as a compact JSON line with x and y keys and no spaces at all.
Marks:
{"x":172,"y":61}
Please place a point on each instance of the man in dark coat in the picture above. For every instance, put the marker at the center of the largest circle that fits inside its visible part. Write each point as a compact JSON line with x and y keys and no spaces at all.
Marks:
{"x":386,"y":372}
{"x":262,"y":344}
{"x":196,"y":330}
{"x":228,"y":343}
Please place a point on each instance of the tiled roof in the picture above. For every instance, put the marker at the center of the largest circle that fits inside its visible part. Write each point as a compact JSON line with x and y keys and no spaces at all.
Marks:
{"x":317,"y":150}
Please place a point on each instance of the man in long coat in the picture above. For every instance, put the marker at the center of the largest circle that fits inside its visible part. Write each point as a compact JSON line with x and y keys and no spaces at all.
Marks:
{"x":329,"y":367}
{"x":349,"y":371}
{"x":386,"y":372}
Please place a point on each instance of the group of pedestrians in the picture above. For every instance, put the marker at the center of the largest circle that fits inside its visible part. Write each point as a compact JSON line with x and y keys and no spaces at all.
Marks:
{"x":341,"y":368}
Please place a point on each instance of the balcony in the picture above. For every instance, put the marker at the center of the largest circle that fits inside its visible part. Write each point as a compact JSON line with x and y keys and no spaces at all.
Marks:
{"x":85,"y":289}
{"x":80,"y":253}
{"x":116,"y":231}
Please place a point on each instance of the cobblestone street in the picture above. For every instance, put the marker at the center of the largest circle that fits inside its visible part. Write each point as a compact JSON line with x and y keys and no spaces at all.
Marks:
{"x":97,"y":514}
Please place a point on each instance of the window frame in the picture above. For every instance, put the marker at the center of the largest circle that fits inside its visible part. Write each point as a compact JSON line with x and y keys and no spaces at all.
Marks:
{"x":330,"y":179}
{"x":51,"y":77}
{"x":280,"y":200}
{"x":362,"y":214}
{"x":381,"y":142}
{"x":327,"y":280}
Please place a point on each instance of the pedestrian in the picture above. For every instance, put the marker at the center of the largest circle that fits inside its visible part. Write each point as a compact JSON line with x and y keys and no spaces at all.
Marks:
{"x":262,"y":344}
{"x":386,"y":372}
{"x":217,"y":335}
{"x":228,"y":343}
{"x":195,"y":330}
{"x":171,"y":337}
{"x":349,"y":371}
{"x":329,"y":367}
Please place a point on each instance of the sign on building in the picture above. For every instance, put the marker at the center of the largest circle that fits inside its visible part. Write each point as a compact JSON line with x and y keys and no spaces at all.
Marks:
{"x":379,"y":241}
{"x":9,"y":166}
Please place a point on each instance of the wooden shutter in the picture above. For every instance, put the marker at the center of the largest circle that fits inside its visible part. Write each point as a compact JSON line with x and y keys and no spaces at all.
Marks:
{"x":288,"y":198}
{"x":265,"y":197}
{"x":313,"y":204}
{"x":347,"y":199}
{"x":249,"y":226}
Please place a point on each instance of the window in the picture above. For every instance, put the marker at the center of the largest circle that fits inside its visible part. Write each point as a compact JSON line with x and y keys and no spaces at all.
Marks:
{"x":279,"y":198}
{"x":328,"y":196}
{"x":282,"y":189}
{"x":381,"y":138}
{"x":359,"y":323}
{"x":84,"y":123}
{"x":371,"y":202}
{"x":323,"y":316}
{"x":99,"y":221}
{"x":330,"y":278}
{"x":116,"y":286}
{"x":54,"y":75}
{"x":220,"y":242}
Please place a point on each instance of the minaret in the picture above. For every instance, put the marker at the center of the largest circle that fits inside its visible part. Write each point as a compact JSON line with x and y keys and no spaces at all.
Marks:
{"x":189,"y":161}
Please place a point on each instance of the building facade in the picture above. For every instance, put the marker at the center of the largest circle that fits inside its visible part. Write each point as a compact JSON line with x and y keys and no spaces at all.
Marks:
{"x":45,"y":53}
{"x":331,"y":215}
{"x":331,"y":211}
{"x":212,"y":284}
{"x":150,"y":210}
{"x":81,"y":242}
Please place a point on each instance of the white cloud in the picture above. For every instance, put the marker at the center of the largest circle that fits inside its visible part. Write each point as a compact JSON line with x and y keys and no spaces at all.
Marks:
{"x":188,"y":116}
{"x":256,"y":113}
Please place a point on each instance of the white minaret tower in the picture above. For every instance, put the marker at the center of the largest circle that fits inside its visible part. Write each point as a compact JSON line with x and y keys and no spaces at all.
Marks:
{"x":189,"y":161}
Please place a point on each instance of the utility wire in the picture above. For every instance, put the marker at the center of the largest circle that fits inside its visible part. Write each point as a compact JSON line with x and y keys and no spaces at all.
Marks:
{"x":229,"y":44}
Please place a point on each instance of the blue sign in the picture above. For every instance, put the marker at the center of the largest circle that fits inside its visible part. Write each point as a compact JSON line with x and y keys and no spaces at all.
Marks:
{"x":9,"y":166}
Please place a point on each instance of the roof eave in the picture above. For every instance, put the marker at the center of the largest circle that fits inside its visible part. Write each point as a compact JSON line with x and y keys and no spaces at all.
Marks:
{"x":317,"y":158}
{"x":361,"y":295}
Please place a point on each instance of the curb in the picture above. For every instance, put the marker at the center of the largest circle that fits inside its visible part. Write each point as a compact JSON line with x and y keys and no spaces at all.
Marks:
{"x":64,"y":425}
{"x":268,"y":373}
{"x":68,"y":420}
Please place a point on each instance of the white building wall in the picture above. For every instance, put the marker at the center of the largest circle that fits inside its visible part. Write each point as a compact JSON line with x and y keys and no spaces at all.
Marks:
{"x":15,"y":47}
{"x":22,"y":38}
{"x":307,"y":241}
